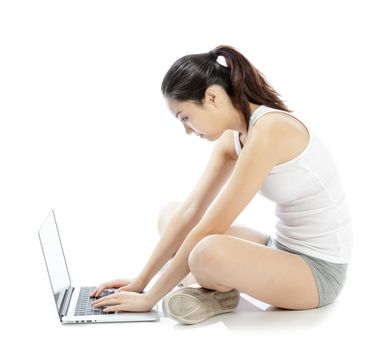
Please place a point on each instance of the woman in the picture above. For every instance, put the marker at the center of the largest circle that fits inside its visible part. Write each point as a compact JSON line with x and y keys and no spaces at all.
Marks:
{"x":260,"y":147}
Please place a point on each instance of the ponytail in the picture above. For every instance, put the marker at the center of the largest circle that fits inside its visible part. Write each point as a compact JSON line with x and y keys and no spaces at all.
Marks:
{"x":191,"y":75}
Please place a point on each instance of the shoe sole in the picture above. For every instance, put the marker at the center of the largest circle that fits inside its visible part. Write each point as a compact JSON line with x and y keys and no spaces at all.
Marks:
{"x":195,"y":305}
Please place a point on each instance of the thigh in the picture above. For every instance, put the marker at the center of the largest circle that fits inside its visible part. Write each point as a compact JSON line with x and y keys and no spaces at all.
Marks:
{"x":330,"y":277}
{"x":276,"y":277}
{"x":247,"y":233}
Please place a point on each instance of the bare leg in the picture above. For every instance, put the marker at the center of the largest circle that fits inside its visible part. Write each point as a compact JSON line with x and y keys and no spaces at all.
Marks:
{"x":279,"y":278}
{"x":239,"y":231}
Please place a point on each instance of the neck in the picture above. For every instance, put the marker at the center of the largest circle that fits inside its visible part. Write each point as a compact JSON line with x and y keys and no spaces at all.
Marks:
{"x":239,"y":122}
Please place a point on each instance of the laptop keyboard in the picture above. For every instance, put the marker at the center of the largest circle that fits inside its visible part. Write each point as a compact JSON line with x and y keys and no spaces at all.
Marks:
{"x":84,"y":307}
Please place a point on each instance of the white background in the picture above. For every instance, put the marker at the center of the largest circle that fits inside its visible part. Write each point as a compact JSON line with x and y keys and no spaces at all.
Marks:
{"x":84,"y":130}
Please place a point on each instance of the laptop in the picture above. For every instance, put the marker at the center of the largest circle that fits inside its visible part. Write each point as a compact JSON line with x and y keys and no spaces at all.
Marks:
{"x":73,"y":303}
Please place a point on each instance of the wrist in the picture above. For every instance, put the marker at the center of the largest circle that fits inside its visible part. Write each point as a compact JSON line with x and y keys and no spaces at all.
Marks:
{"x":151,"y":300}
{"x":142,"y":280}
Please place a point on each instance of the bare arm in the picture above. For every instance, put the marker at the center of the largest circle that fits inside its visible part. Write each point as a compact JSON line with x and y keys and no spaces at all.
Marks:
{"x":219,"y":167}
{"x":259,"y":156}
{"x":179,"y":268}
{"x":174,"y":234}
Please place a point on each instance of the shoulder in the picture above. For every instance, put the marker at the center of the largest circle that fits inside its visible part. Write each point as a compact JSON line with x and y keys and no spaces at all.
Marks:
{"x":274,"y":122}
{"x":281,"y":133}
{"x":272,"y":127}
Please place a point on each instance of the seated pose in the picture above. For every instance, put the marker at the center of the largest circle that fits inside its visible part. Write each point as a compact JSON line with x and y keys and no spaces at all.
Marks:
{"x":261,"y":147}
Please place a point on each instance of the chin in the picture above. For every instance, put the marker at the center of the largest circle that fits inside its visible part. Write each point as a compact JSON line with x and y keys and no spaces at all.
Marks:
{"x":212,"y":138}
{"x":208,"y":138}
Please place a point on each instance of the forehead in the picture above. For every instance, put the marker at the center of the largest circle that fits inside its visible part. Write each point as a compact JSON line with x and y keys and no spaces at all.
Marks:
{"x":178,"y":106}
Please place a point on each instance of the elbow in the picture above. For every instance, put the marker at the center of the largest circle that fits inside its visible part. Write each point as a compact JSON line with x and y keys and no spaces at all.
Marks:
{"x":213,"y":226}
{"x":206,"y":223}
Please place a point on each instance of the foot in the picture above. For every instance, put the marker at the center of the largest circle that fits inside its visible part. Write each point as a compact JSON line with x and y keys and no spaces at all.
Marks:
{"x":195,"y":305}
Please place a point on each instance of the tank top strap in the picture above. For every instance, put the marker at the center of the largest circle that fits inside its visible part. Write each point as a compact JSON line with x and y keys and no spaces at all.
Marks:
{"x":260,"y":111}
{"x":257,"y":113}
{"x":236,"y":138}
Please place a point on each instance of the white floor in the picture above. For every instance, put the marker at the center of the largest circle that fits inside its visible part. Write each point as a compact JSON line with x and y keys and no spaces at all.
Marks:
{"x":254,"y":317}
{"x":29,"y":318}
{"x":347,"y":322}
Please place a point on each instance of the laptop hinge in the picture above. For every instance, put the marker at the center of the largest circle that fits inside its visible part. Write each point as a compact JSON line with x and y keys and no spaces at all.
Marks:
{"x":65,"y":304}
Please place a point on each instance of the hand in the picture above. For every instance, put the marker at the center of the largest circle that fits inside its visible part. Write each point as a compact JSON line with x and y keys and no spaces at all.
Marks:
{"x":131,"y":285}
{"x":125,"y":301}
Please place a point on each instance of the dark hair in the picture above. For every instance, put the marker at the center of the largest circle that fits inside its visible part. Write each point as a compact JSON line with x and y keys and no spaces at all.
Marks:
{"x":190,"y":76}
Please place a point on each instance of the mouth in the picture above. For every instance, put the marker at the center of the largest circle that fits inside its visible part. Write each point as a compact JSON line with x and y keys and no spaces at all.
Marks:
{"x":197,"y":134}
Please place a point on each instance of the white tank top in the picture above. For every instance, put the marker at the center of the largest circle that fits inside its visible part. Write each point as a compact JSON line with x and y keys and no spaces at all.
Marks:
{"x":311,"y":207}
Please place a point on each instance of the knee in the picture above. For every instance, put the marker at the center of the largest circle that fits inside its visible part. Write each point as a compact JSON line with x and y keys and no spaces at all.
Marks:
{"x":165,"y":214}
{"x":206,"y":255}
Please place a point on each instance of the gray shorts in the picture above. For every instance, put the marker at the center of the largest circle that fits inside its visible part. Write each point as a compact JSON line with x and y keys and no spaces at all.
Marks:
{"x":330,"y":277}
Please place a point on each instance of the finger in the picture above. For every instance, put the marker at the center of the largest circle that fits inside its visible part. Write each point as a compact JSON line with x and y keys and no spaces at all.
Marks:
{"x":99,"y":300}
{"x":113,"y":308}
{"x":124,"y":288}
{"x":93,"y":292}
{"x":98,"y":290}
{"x":106,"y":303}
{"x":102,"y":302}
{"x":103,"y":287}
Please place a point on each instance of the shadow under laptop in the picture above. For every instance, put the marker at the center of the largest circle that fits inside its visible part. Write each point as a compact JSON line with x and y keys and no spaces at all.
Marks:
{"x":252,"y":315}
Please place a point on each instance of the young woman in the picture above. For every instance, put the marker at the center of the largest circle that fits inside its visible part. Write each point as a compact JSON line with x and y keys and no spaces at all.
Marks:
{"x":261,"y":147}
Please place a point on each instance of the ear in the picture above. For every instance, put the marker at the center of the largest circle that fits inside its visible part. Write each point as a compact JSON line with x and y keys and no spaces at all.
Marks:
{"x":211,"y":95}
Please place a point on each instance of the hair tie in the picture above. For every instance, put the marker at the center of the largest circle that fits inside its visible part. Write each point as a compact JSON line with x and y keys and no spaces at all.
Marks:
{"x":218,"y":58}
{"x":213,"y":54}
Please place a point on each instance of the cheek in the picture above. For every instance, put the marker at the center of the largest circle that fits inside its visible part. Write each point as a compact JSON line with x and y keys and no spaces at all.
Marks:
{"x":212,"y":126}
{"x":209,"y":126}
{"x":216,"y":130}
{"x":213,"y":135}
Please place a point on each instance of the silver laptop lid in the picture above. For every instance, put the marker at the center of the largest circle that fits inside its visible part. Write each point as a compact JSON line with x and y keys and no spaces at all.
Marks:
{"x":55,"y":260}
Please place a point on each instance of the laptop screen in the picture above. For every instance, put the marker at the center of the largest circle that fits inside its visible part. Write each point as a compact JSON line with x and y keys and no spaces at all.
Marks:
{"x":54,"y":258}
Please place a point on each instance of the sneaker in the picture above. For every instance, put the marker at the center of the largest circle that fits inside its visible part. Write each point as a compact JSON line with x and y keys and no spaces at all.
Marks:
{"x":195,"y":305}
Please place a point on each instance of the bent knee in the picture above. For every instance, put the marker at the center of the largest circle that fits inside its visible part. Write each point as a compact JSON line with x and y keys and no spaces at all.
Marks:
{"x":206,"y":253}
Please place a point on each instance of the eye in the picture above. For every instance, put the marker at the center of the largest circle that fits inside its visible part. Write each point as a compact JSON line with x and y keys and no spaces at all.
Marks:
{"x":184,"y":119}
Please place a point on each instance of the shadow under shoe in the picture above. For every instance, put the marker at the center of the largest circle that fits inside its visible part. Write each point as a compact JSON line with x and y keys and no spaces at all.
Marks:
{"x":194,"y":305}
